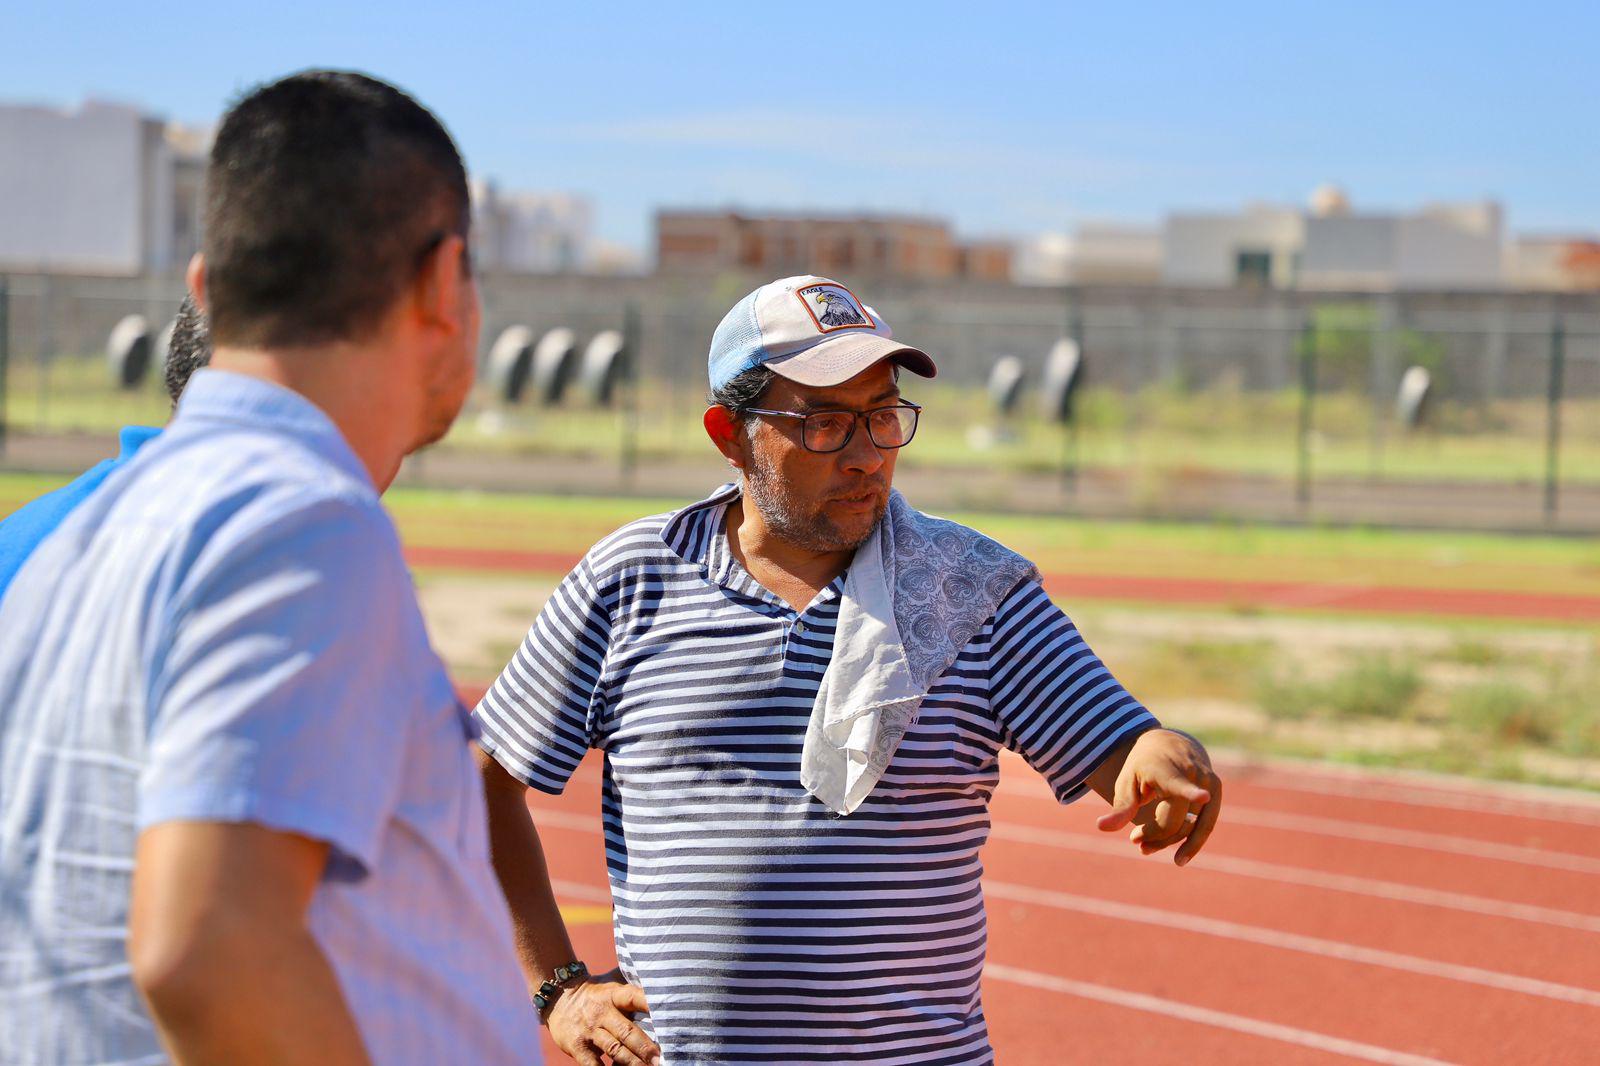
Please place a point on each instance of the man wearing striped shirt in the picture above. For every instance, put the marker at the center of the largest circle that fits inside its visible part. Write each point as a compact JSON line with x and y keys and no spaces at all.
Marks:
{"x":801,"y":688}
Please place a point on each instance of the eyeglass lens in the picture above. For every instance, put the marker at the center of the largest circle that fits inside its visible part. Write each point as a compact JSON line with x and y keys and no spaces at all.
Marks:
{"x":889,"y":427}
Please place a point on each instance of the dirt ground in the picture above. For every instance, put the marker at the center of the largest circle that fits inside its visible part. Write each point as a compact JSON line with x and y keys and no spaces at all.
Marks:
{"x":478,"y":620}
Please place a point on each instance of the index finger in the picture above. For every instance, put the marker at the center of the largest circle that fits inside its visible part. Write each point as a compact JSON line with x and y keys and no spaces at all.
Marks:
{"x":1175,"y":786}
{"x":1203,"y":824}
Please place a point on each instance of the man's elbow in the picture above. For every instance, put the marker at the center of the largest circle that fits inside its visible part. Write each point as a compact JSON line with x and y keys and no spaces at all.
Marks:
{"x":182,"y":970}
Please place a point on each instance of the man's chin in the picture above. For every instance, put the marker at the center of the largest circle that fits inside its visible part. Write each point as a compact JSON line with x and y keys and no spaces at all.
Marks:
{"x":437,"y":427}
{"x":853,"y":525}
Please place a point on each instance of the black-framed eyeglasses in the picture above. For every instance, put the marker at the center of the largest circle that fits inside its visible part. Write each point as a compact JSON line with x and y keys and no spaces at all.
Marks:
{"x":829,"y":431}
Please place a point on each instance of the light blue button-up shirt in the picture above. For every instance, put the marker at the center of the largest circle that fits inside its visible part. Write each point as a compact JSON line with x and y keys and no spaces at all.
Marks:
{"x":226,"y":631}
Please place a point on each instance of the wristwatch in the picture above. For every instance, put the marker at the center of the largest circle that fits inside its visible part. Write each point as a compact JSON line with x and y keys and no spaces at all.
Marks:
{"x":548,"y":992}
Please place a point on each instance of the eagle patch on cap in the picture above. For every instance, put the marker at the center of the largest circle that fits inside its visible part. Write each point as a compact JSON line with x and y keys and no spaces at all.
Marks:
{"x":834,"y":307}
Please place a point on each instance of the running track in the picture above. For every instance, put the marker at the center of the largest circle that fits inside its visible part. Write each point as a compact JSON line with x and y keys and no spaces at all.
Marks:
{"x":1197,"y":592}
{"x":1335,"y":916}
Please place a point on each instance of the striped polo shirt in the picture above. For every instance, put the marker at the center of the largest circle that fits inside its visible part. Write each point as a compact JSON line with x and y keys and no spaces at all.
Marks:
{"x":763,"y":927}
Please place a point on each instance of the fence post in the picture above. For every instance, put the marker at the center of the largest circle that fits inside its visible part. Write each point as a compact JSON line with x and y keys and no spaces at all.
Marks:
{"x":1381,"y":382}
{"x":1552,"y":443}
{"x":5,"y":358}
{"x":46,"y":344}
{"x":1308,"y":388}
{"x":628,"y":455}
{"x":1069,"y":432}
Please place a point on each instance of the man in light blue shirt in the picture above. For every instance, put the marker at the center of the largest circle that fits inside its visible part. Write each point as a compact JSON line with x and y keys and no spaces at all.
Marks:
{"x":278,"y":675}
{"x":240,"y":819}
{"x":25,"y":528}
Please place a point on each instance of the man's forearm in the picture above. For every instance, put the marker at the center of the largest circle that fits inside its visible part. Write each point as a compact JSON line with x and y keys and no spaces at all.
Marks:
{"x":220,"y":949}
{"x":255,"y":1000}
{"x":541,"y":935}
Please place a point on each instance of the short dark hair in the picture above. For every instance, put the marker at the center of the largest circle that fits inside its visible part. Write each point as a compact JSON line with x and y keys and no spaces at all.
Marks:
{"x":744,"y":391}
{"x":324,"y":192}
{"x":189,"y":349}
{"x":747,"y":387}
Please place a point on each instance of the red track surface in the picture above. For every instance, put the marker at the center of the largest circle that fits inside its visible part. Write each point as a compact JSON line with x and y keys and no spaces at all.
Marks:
{"x":1320,"y":596}
{"x":1333,"y":917}
{"x":1336,"y":915}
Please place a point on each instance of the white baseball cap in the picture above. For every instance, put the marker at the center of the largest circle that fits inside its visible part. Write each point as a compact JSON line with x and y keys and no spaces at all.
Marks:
{"x":810,"y":330}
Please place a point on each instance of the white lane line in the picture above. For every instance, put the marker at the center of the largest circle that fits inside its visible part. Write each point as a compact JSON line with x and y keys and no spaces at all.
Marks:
{"x":1296,"y":875}
{"x":1237,"y":1023}
{"x":584,"y":823}
{"x":1559,"y":811}
{"x":1531,"y":802}
{"x":1274,"y":938}
{"x":1134,"y":1000}
{"x":1077,"y":841}
{"x":579,"y":891}
{"x":1234,"y":814}
{"x":1411,"y":838}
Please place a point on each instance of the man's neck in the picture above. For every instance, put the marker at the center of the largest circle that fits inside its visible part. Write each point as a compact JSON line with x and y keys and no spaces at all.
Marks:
{"x":365,"y":404}
{"x":793,"y":573}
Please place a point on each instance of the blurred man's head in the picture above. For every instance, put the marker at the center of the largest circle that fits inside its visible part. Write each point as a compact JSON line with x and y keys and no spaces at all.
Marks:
{"x":189,"y":349}
{"x":337,"y":214}
{"x":805,"y":401}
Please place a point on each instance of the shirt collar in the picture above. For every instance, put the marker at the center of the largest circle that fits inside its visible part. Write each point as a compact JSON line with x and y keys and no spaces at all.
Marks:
{"x":131,"y":438}
{"x":214,"y":395}
{"x":689,"y":531}
{"x":697,"y":534}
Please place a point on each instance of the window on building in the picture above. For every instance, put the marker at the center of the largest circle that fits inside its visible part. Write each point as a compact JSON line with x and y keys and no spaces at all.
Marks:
{"x":1252,"y":269}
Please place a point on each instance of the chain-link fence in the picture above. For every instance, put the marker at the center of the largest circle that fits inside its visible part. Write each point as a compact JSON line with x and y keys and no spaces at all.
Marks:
{"x":1194,"y":402}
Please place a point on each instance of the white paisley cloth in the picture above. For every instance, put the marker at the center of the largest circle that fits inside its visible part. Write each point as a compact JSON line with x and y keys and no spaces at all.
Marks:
{"x":916,"y":592}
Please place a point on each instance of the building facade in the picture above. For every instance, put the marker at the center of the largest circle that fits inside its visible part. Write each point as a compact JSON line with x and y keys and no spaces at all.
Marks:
{"x":908,"y":247}
{"x":1331,"y":247}
{"x":529,"y":232}
{"x":99,"y":189}
{"x":1555,"y":263}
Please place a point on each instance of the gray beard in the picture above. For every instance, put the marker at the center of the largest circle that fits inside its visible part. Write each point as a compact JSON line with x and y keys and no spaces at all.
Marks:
{"x":791,"y":520}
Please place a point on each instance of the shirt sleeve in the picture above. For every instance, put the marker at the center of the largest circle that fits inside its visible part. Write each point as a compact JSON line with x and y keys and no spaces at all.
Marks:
{"x":282,"y":696}
{"x":538,"y":718}
{"x":1057,"y":704}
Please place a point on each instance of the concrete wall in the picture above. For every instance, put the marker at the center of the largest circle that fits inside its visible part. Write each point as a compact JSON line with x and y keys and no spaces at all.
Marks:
{"x":1436,"y":253}
{"x":1350,"y":252}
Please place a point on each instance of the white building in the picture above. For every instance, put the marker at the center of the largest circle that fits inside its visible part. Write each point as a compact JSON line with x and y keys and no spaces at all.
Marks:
{"x":531,"y":233}
{"x":1329,"y":246}
{"x":1442,"y":246}
{"x":1096,"y":254}
{"x":100,"y":189}
{"x":1260,"y":246}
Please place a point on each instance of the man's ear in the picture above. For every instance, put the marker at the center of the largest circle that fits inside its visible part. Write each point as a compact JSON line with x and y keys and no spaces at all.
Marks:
{"x":439,"y":288}
{"x":726,"y":433}
{"x":195,"y":277}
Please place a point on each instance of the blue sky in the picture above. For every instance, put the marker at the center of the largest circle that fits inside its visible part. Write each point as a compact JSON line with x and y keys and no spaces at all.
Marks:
{"x":1007,"y":119}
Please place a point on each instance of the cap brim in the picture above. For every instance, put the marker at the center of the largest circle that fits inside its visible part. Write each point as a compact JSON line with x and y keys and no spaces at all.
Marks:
{"x":839,"y":359}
